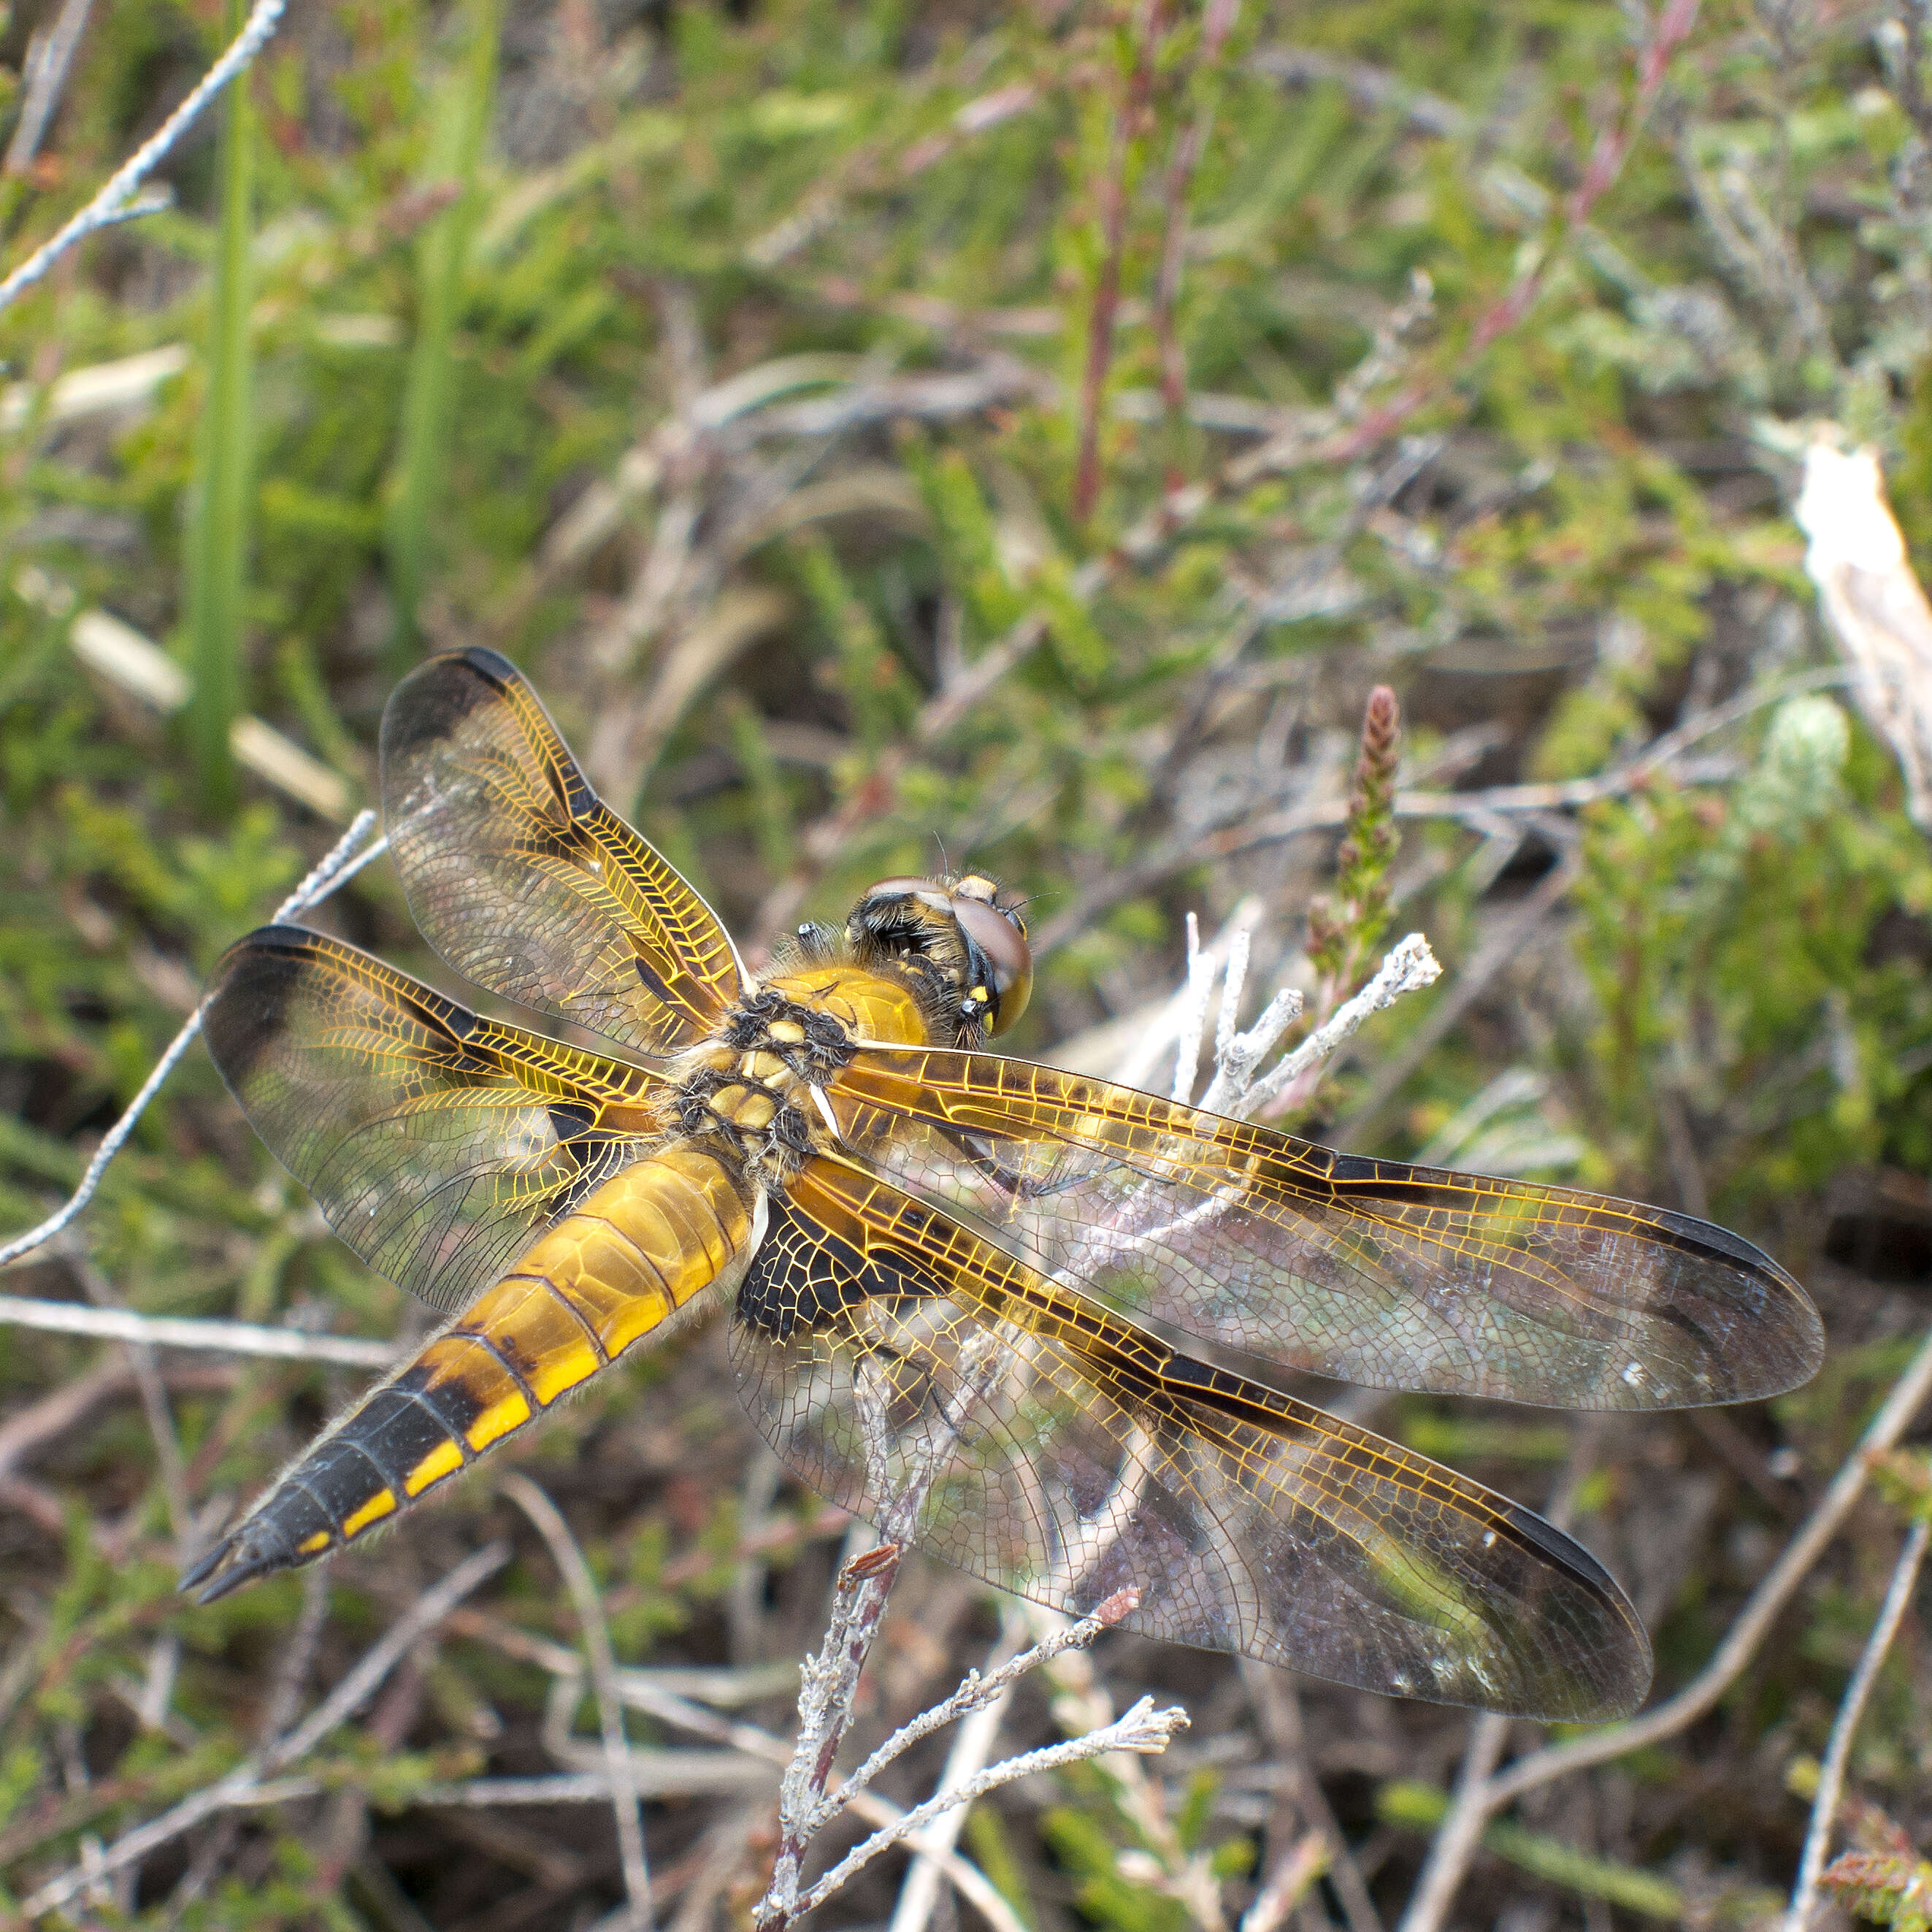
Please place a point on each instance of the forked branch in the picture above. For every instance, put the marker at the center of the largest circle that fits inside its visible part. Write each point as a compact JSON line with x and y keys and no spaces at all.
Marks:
{"x":120,"y":199}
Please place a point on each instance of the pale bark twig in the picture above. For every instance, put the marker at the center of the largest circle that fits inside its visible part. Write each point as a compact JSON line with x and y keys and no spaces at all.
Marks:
{"x":1503,"y":943}
{"x":49,"y":56}
{"x":829,"y":1681}
{"x":176,"y":1331}
{"x":583,"y":1587}
{"x":824,"y":1707}
{"x":1409,"y":966}
{"x":651,"y":1691}
{"x":1837,"y":1752}
{"x":342,"y":862}
{"x":115,"y":200}
{"x":1142,"y":1729}
{"x":976,"y":1693}
{"x":1290,"y":1879}
{"x":972,"y":1746}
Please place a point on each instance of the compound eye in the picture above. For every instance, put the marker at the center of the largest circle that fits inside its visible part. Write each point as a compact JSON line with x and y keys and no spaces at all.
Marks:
{"x":1008,"y":958}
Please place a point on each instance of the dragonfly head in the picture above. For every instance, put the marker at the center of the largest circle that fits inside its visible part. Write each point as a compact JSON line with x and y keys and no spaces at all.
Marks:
{"x":967,"y":927}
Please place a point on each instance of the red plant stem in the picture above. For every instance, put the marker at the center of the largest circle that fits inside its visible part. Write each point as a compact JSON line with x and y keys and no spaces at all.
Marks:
{"x":1216,"y":26}
{"x":1613,"y":144}
{"x":1606,"y":164}
{"x":1150,"y":19}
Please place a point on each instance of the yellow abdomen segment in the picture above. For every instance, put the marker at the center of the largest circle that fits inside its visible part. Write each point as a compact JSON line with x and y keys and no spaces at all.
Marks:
{"x":633,"y":1253}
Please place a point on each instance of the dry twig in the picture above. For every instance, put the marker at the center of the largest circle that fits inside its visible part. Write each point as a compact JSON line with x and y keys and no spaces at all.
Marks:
{"x":972,"y":1746}
{"x":177,"y":1331}
{"x":252,"y":1781}
{"x":1409,"y":967}
{"x":116,"y":200}
{"x":344,"y":860}
{"x":49,"y":56}
{"x":583,"y":1586}
{"x":1837,"y":1752}
{"x":1142,"y":1729}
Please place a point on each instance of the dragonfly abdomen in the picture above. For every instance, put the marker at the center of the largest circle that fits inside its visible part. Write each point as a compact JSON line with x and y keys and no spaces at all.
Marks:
{"x":633,"y":1253}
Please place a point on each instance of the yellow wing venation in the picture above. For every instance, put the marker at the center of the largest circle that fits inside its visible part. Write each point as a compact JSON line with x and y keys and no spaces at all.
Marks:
{"x":1130,"y":1360}
{"x":651,"y":894}
{"x":526,"y":881}
{"x":437,"y":1143}
{"x":542,"y":1066}
{"x":1085,"y":1454}
{"x":1369,"y":1271}
{"x":986,"y":1093}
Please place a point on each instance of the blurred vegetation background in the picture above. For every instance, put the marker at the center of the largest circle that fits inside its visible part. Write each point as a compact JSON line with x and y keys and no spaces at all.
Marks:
{"x":1035,"y":430}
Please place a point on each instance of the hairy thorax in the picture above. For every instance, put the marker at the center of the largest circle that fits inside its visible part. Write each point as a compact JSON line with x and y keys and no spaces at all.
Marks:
{"x":750,"y":1085}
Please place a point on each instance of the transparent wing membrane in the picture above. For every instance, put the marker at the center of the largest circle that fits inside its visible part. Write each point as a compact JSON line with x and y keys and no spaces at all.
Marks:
{"x":1065,"y":1454}
{"x":435,"y":1143}
{"x":525,"y":881}
{"x":939,"y":1328}
{"x":1367,"y":1270}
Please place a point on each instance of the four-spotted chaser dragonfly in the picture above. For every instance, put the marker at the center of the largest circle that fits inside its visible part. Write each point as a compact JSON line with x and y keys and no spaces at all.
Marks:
{"x":951,"y":1275}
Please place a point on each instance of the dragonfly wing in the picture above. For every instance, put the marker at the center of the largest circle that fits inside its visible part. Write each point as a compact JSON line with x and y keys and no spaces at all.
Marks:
{"x":1065,"y":1454}
{"x":1367,"y":1270}
{"x":523,"y":878}
{"x":436,"y":1143}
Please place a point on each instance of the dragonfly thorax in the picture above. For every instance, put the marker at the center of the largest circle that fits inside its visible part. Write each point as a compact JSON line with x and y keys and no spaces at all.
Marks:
{"x":748,"y":1086}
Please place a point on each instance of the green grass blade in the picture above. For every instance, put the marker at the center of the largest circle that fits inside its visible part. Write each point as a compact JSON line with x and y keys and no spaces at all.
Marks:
{"x":1422,"y":1807}
{"x":216,"y":562}
{"x":420,"y":479}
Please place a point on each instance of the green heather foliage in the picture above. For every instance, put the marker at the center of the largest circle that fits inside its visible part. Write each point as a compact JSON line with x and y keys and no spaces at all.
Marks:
{"x":1895,"y":1892}
{"x":722,"y":365}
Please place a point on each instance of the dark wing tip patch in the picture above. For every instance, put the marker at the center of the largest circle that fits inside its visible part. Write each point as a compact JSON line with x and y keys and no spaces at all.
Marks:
{"x":247,"y":1007}
{"x":1621,"y":1657}
{"x":436,"y":697}
{"x":489,"y":664}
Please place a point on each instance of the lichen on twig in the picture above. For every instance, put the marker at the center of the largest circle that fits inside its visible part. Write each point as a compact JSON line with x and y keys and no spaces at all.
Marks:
{"x":116,"y":201}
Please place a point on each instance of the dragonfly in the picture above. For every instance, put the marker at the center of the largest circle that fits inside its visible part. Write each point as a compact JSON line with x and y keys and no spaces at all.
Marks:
{"x":961,"y":1287}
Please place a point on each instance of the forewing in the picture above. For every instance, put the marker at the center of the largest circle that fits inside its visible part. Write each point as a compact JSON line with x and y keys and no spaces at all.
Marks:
{"x":915,"y":1373}
{"x":525,"y":881}
{"x":435,"y":1143}
{"x":1367,"y":1270}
